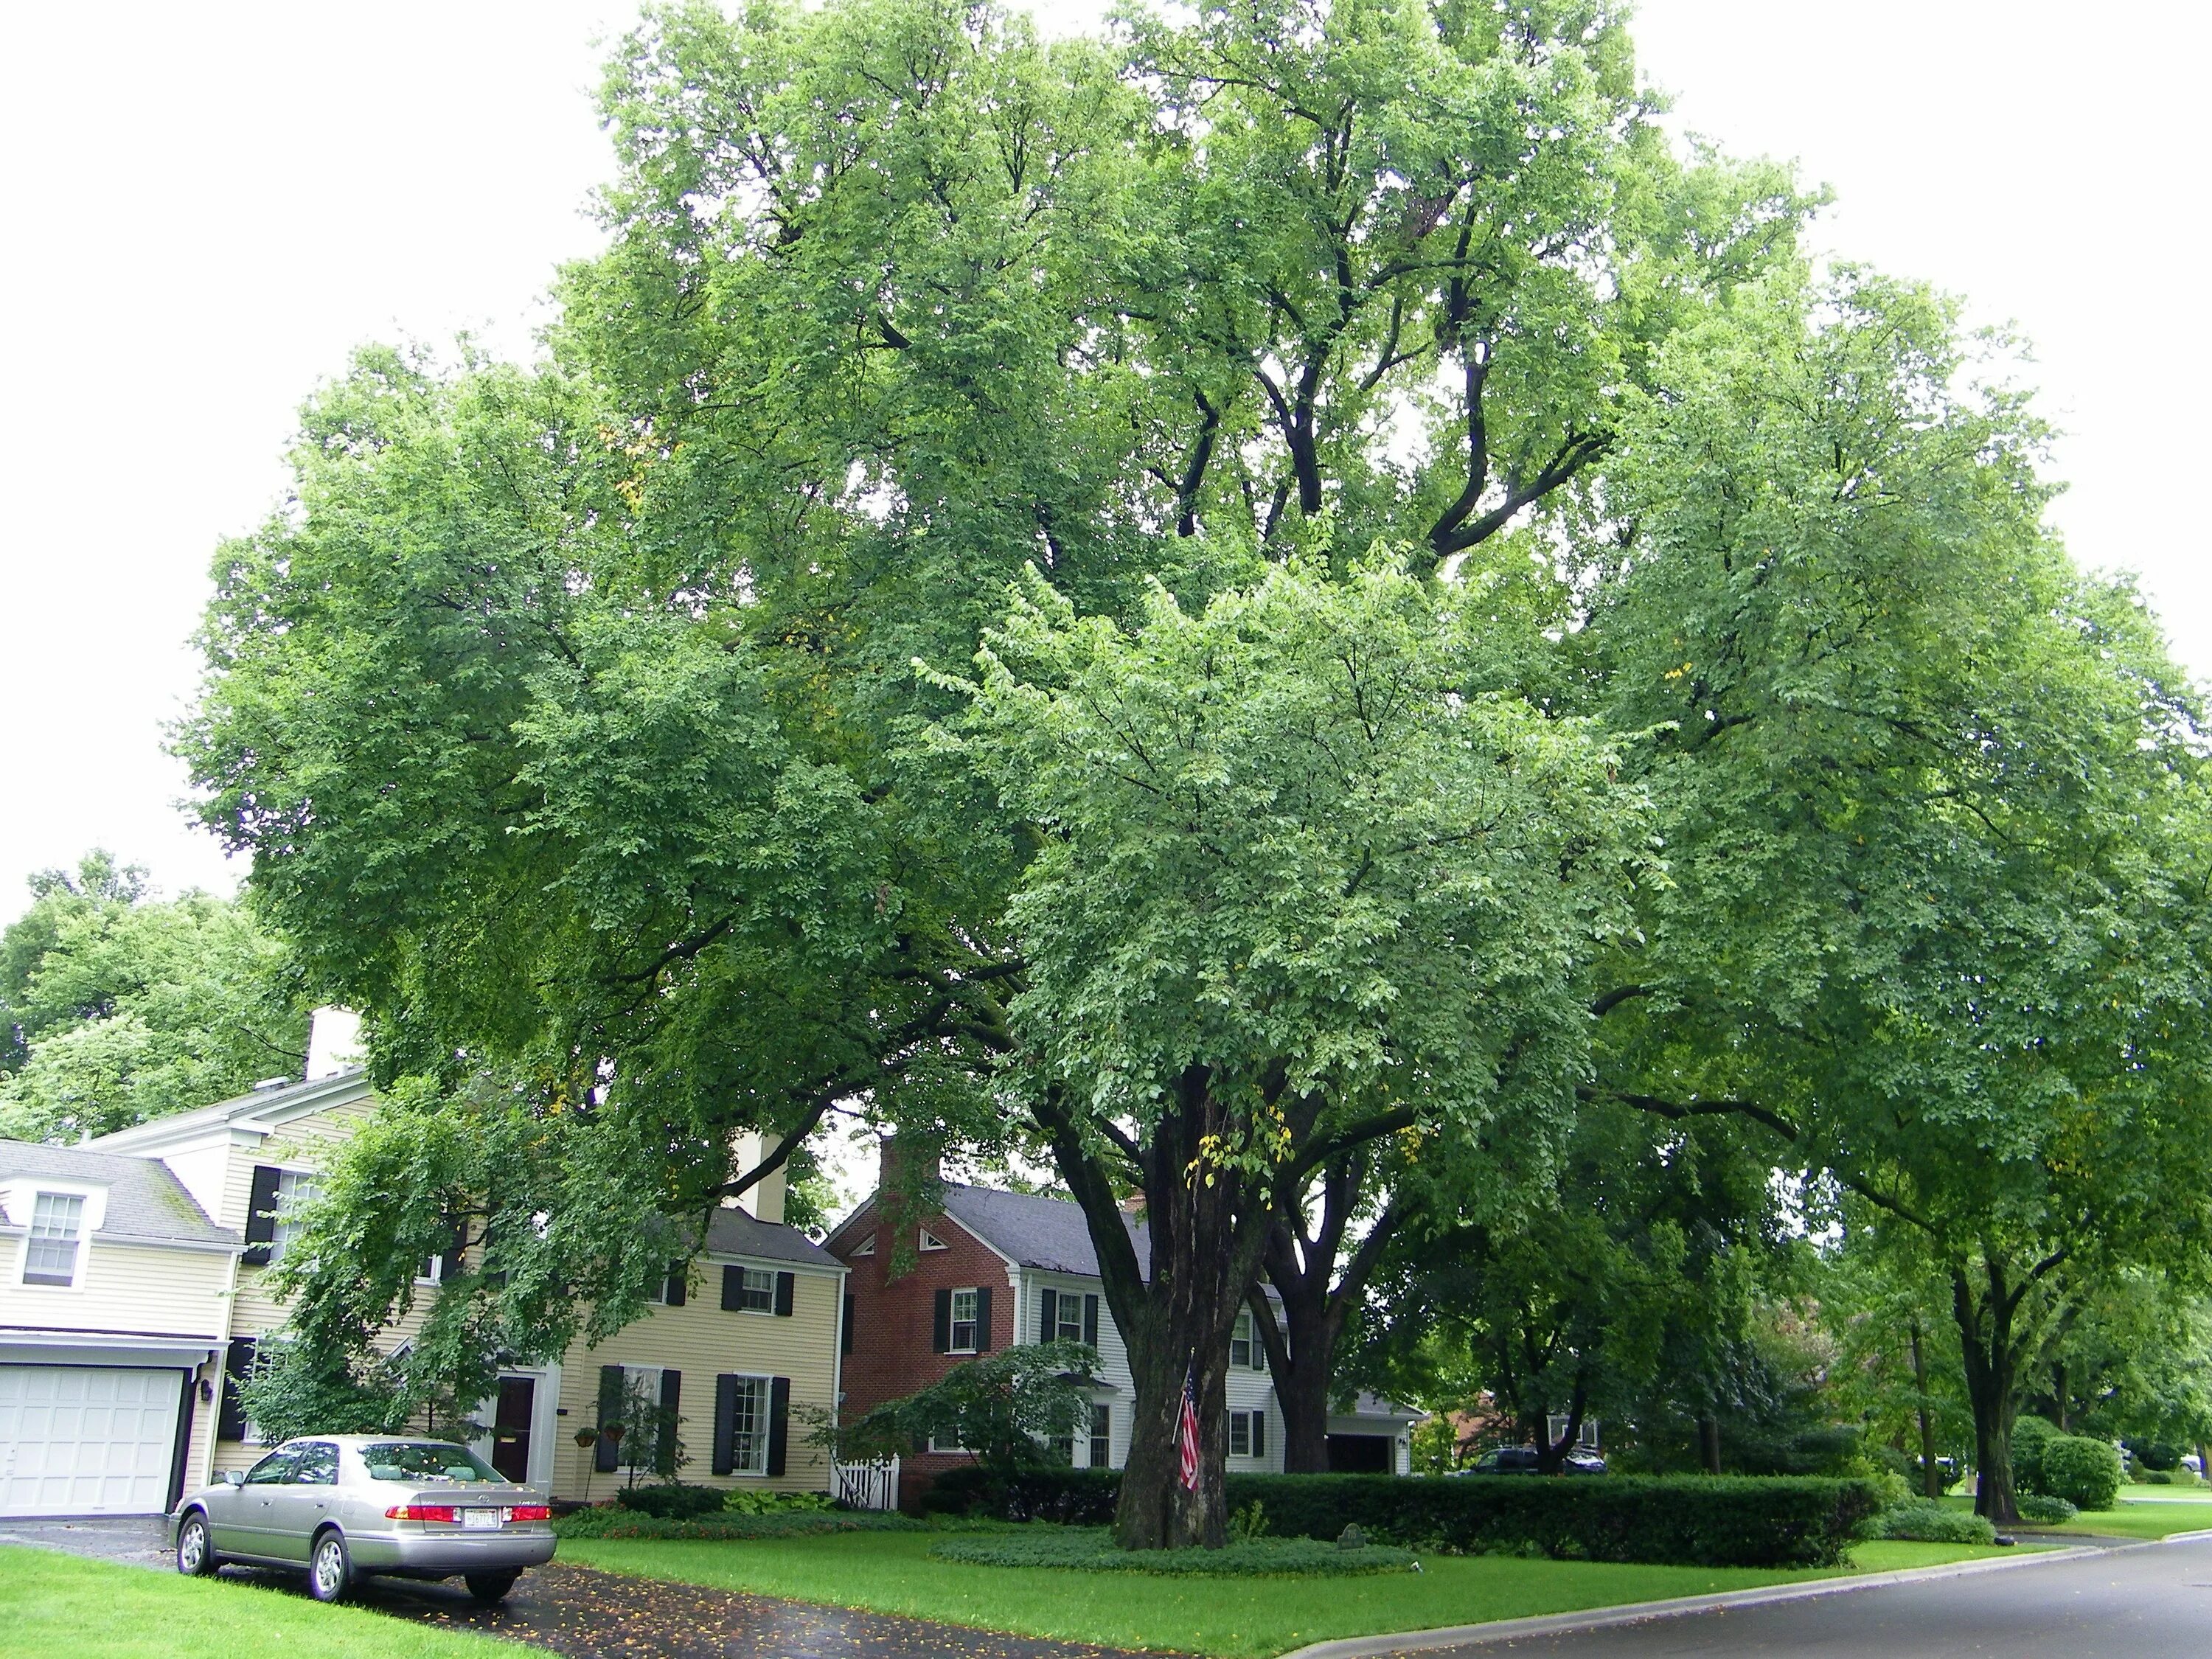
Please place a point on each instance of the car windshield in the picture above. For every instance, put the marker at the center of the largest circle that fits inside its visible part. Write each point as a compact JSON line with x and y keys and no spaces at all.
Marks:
{"x":422,"y":1460}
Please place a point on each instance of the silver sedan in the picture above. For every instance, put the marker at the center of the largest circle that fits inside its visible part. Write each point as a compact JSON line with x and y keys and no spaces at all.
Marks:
{"x":345,"y":1506}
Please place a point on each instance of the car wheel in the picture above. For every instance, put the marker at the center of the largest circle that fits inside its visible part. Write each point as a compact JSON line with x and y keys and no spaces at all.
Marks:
{"x":330,"y":1569}
{"x":490,"y":1586}
{"x":195,"y":1556}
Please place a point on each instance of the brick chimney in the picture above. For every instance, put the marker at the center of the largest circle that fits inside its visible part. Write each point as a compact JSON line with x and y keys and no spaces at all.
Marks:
{"x":905,"y":1162}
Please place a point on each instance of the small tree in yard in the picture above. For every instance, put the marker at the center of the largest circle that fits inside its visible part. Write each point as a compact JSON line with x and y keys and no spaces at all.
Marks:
{"x":1008,"y":1408}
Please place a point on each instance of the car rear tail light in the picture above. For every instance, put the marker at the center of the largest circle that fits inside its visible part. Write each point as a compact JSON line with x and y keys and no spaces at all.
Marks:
{"x":420,"y":1512}
{"x":531,"y":1512}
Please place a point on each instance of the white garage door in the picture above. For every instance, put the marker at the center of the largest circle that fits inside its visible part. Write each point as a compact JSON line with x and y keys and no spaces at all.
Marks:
{"x":84,"y":1440}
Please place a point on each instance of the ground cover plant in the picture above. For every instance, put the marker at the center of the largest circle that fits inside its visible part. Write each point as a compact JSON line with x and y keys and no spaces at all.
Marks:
{"x":613,"y":1522}
{"x":1220,"y":1617}
{"x":1091,"y":1549}
{"x":59,"y":1604}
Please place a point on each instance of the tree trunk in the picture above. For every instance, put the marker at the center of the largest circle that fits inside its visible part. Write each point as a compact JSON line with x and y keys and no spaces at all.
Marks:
{"x":1315,"y":1303}
{"x":1551,"y":1454}
{"x":1992,"y":1387}
{"x":1931,"y":1478}
{"x":2058,"y":1391}
{"x":1207,"y":1225}
{"x":1709,"y":1444}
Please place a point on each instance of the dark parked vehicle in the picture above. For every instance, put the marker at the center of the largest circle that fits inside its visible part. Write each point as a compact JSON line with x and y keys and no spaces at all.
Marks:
{"x":342,"y":1507}
{"x":1521,"y":1460}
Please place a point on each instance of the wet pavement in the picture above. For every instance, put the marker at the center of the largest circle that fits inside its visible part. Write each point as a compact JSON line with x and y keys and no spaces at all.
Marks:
{"x":584,"y":1614}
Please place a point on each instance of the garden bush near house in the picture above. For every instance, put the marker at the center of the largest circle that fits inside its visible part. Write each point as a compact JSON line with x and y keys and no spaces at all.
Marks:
{"x":2154,"y":1477}
{"x":1092,"y":1549}
{"x":2086,"y":1473}
{"x":1689,"y":1519}
{"x":744,"y":1500}
{"x":1921,"y":1520}
{"x":670,"y":1500}
{"x":2039,"y":1510}
{"x":614,"y":1522}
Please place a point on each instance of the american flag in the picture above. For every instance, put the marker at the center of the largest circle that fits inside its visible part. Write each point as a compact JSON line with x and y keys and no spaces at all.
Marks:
{"x":1186,"y":1432}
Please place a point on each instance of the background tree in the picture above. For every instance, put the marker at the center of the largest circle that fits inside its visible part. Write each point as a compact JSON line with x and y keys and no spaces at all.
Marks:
{"x":116,"y":1006}
{"x":1013,"y":1409}
{"x":1934,"y":809}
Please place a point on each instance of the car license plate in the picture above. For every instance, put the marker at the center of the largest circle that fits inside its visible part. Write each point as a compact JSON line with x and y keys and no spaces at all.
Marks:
{"x":482,"y":1520}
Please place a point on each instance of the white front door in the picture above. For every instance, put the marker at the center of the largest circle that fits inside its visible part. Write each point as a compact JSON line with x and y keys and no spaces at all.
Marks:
{"x":86,"y":1439}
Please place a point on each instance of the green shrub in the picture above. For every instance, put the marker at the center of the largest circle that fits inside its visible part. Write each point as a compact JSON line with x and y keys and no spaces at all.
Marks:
{"x":1693,"y":1520}
{"x":2156,"y":1477}
{"x":2084,"y":1472}
{"x":2029,"y":1436}
{"x":1090,"y":1549}
{"x":611,"y":1523}
{"x":670,"y":1500}
{"x":2039,"y":1510}
{"x":1922,"y":1521}
{"x":2157,"y":1454}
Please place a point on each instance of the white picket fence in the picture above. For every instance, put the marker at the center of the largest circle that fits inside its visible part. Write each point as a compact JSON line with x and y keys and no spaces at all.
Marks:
{"x":867,"y":1486}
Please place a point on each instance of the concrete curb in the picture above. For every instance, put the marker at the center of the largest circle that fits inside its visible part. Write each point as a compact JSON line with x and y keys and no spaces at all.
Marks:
{"x":1557,"y":1623}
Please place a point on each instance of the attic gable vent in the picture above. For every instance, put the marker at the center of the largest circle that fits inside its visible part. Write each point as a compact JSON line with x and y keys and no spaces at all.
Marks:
{"x":930,"y":1241}
{"x":866,"y":1247}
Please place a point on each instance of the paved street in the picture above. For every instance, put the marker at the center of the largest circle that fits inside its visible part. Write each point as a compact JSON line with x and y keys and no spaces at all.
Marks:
{"x":2137,"y":1603}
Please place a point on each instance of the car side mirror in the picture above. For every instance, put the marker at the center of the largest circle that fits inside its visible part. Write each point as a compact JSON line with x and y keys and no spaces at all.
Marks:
{"x":234,"y":1477}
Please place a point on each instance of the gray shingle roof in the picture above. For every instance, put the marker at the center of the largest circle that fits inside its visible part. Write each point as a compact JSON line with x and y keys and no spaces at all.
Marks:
{"x":1036,"y":1232}
{"x":735,"y":1233}
{"x":144,"y":1200}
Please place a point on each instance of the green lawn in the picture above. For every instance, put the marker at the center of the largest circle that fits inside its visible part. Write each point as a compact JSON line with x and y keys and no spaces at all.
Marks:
{"x":58,"y":1604}
{"x":2143,"y":1518}
{"x":1231,"y":1618}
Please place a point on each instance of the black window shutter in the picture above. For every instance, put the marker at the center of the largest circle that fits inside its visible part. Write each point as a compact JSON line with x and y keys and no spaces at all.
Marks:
{"x":672,"y":1397}
{"x":1091,"y":1319}
{"x":779,"y":1421}
{"x":1258,"y":1434}
{"x":941,"y":1336}
{"x":452,"y":1257}
{"x":1047,"y":1317}
{"x":845,"y":1335}
{"x":982,"y":1319}
{"x":672,"y":1292}
{"x":725,"y":1425}
{"x":606,"y":1456}
{"x":733,"y":1289}
{"x":786,"y":1285}
{"x":237,"y":1366}
{"x":261,"y":1217}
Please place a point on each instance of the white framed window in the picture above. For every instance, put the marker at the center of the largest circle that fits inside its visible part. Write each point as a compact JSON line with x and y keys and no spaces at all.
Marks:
{"x":57,"y":1229}
{"x":937,"y":1444}
{"x":1247,"y":1434}
{"x":1240,"y":1340}
{"x":1067,"y":1318}
{"x":293,"y":1188}
{"x":1102,"y":1436}
{"x":930,"y":1241}
{"x":749,"y":1424}
{"x":757,"y":1293}
{"x":866,"y":1247}
{"x":964,"y":1322}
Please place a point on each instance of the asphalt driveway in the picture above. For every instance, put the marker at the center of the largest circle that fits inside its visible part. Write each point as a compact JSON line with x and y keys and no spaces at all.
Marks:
{"x":587,"y":1615}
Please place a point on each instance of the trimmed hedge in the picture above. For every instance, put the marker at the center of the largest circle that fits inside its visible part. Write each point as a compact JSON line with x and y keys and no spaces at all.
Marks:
{"x":2086,"y":1473}
{"x":1693,"y":1520}
{"x":671,"y":1501}
{"x":1923,"y":1522}
{"x":1090,"y":1549}
{"x":795,"y":1523}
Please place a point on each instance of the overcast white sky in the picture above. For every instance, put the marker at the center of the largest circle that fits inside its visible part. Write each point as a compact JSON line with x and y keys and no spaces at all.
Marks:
{"x":211,"y":204}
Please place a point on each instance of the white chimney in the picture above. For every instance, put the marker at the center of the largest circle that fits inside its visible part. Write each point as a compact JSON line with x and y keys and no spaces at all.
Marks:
{"x":334,"y":1043}
{"x":763,"y":1200}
